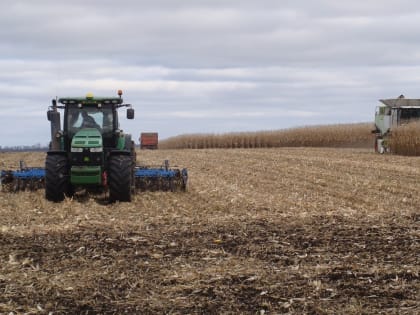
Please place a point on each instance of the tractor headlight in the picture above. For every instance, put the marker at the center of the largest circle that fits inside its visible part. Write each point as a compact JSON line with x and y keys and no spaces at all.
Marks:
{"x":97,"y":149}
{"x":76,"y":149}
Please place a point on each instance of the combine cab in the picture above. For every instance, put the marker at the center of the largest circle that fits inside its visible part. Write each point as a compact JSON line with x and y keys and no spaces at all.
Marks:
{"x":92,"y":153}
{"x":391,"y":114}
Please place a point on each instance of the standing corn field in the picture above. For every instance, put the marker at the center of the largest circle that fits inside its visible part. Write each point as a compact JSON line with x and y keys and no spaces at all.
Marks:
{"x":339,"y":135}
{"x":405,"y":140}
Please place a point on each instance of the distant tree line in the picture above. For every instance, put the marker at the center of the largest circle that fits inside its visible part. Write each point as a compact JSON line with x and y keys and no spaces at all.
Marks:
{"x":17,"y":148}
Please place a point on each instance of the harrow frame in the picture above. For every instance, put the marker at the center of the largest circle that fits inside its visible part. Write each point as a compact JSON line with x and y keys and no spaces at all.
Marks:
{"x":146,"y":178}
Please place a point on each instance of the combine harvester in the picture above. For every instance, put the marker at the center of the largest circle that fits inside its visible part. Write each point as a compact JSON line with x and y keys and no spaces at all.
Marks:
{"x":90,"y":152}
{"x":391,"y":114}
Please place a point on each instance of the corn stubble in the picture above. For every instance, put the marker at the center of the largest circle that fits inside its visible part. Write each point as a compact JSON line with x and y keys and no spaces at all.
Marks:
{"x":285,"y":230}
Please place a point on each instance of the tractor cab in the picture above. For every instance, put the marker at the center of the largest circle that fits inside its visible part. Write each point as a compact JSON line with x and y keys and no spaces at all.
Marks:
{"x":102,"y":120}
{"x":96,"y":113}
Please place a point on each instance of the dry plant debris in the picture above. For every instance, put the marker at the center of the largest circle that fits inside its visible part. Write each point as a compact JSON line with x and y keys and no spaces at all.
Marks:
{"x":268,"y":231}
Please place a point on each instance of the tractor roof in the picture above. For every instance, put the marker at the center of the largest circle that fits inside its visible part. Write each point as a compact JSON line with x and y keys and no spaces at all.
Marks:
{"x":90,"y":99}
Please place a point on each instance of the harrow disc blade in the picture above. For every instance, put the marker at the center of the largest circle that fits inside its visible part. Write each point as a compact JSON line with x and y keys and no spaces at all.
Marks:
{"x":160,"y":179}
{"x":23,"y":179}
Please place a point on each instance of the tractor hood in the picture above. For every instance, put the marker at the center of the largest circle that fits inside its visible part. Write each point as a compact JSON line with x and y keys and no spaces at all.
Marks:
{"x":87,"y":138}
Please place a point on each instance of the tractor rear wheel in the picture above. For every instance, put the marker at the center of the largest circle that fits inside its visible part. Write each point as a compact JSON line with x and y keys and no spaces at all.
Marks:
{"x":120,"y":176}
{"x":57,"y":183}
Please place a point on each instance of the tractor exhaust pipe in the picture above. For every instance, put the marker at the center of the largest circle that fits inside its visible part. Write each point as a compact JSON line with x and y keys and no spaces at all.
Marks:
{"x":54,"y":118}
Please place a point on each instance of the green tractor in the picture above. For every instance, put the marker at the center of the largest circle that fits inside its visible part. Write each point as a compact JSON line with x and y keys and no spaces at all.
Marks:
{"x":90,"y":151}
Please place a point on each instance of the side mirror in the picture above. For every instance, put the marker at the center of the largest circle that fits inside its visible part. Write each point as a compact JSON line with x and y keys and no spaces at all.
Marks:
{"x":49,"y":115}
{"x":130,"y":113}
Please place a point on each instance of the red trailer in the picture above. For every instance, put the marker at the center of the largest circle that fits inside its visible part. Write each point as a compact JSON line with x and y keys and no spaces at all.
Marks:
{"x":149,"y":140}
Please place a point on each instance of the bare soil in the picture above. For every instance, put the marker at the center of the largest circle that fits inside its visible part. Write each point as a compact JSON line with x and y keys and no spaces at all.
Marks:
{"x":259,"y":231}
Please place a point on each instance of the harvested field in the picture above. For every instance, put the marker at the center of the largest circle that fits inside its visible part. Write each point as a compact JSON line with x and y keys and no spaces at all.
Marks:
{"x":260,"y":231}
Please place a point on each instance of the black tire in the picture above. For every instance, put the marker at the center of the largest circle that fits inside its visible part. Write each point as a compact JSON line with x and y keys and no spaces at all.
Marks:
{"x":129,"y":145}
{"x":120,"y":176}
{"x":57,"y":179}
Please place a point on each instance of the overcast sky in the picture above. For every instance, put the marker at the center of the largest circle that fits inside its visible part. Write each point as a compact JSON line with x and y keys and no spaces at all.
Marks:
{"x":200,"y":66}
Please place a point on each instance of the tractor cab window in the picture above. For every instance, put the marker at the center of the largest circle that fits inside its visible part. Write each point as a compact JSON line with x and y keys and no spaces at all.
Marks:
{"x":79,"y":118}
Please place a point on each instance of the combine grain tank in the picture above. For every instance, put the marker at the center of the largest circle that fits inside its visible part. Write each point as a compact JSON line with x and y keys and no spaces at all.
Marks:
{"x":149,"y":140}
{"x":391,"y":114}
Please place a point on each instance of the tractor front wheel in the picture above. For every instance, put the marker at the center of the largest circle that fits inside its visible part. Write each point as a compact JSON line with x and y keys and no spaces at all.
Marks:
{"x":120,"y":178}
{"x":57,"y":183}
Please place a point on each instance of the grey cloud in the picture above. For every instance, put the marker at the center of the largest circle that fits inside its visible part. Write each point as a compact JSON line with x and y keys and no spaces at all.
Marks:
{"x":207,"y":66}
{"x":223,"y":33}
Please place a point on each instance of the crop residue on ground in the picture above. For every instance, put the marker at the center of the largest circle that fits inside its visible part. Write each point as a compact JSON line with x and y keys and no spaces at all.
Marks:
{"x":287,"y":230}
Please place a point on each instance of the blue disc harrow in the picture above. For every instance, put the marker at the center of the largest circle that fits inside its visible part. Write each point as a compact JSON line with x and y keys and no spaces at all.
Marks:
{"x":25,"y":178}
{"x":146,"y":178}
{"x":161,"y":178}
